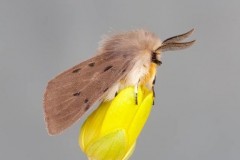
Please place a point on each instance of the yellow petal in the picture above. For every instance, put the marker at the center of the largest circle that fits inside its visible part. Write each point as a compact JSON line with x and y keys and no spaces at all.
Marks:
{"x":92,"y":126}
{"x":140,"y":118}
{"x":130,"y":152}
{"x":121,"y":111}
{"x":111,"y":131}
{"x":109,"y":147}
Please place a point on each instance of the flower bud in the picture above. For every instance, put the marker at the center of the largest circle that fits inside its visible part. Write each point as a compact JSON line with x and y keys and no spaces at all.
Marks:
{"x":111,"y":131}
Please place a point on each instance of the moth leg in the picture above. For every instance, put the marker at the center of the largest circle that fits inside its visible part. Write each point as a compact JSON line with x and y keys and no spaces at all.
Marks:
{"x":136,"y":94}
{"x":153,"y":83}
{"x":153,"y":95}
{"x":116,"y":94}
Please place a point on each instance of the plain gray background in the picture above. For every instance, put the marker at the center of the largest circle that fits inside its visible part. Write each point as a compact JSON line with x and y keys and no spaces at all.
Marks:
{"x":197,"y":110}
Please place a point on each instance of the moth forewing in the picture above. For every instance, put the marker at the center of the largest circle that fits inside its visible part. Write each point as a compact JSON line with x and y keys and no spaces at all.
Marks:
{"x":72,"y":93}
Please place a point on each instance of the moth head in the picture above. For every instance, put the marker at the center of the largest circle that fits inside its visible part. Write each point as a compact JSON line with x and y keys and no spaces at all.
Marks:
{"x":172,"y":44}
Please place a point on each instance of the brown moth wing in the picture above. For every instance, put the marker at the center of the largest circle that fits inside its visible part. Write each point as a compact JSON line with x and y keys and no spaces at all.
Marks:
{"x":69,"y":95}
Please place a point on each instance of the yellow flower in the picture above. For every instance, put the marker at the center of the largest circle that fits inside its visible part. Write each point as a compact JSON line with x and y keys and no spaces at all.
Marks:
{"x":111,"y":131}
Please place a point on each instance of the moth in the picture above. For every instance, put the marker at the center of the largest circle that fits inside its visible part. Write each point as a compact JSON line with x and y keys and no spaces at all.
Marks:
{"x":124,"y":59}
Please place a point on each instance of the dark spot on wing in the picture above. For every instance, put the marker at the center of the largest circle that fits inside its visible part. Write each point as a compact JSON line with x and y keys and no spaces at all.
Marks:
{"x":107,"y":68}
{"x":86,"y":100}
{"x":105,"y":90}
{"x":76,"y":70}
{"x":124,"y":71}
{"x":91,"y":64}
{"x":87,"y":107}
{"x":77,"y":94}
{"x":125,"y":56}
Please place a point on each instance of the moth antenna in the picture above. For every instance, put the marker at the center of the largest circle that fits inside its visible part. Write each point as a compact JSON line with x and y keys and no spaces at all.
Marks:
{"x":175,"y":46}
{"x":178,"y":37}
